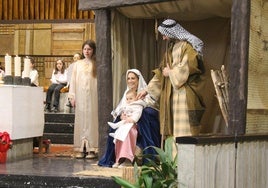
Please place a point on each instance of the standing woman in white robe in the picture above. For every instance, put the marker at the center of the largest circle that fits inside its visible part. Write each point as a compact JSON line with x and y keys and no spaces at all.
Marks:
{"x":83,"y":96}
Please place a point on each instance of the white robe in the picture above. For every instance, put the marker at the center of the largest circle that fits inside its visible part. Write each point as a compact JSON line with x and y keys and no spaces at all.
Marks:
{"x":83,"y":88}
{"x":133,"y":111}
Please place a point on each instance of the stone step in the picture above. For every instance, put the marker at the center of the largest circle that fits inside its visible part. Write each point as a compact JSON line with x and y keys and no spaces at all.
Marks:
{"x":51,"y":127}
{"x":59,"y":117}
{"x":59,"y":127}
{"x":59,"y":138}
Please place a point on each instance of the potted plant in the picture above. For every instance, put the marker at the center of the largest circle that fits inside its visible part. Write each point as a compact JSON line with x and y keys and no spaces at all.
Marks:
{"x":160,"y":170}
{"x":5,"y":145}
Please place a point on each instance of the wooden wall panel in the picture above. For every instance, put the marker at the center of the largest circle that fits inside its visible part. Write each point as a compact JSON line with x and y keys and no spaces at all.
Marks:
{"x":66,"y":47}
{"x":42,"y":42}
{"x":71,"y":36}
{"x":7,"y":32}
{"x":68,"y":26}
{"x":67,"y":39}
{"x":7,"y":44}
{"x":46,"y":42}
{"x":257,"y":119}
{"x":21,"y":42}
{"x":90,"y":31}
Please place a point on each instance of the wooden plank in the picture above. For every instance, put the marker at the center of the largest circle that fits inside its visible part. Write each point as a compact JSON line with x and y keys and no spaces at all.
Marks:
{"x":68,"y":9}
{"x":104,"y":74}
{"x":74,"y":30}
{"x":5,"y":7}
{"x":51,"y":9}
{"x":57,"y":45}
{"x":238,"y":68}
{"x":31,"y":8}
{"x":42,"y":9}
{"x":26,"y":9}
{"x":57,"y":10}
{"x":21,"y":10}
{"x":61,"y":26}
{"x":74,"y":10}
{"x":1,"y":8}
{"x":62,"y":9}
{"x":16,"y":10}
{"x":36,"y":10}
{"x":68,"y":36}
{"x":47,"y":10}
{"x":65,"y":52}
{"x":10,"y":13}
{"x":102,"y":4}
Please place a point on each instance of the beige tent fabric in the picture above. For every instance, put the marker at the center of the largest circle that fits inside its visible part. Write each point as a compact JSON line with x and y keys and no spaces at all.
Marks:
{"x":134,"y":46}
{"x":180,"y":10}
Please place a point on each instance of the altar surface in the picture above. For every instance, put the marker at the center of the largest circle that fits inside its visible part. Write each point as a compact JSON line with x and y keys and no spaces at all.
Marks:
{"x":22,"y":116}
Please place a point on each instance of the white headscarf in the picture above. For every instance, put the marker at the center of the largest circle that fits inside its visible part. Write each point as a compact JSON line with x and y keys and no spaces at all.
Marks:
{"x":172,"y":29}
{"x":141,"y":86}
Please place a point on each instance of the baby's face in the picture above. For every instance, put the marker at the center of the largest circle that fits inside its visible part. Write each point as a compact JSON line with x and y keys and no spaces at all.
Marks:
{"x":130,"y":97}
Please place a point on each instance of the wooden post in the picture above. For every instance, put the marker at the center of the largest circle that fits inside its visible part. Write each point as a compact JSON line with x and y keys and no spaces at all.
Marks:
{"x":238,"y":68}
{"x":104,"y":74}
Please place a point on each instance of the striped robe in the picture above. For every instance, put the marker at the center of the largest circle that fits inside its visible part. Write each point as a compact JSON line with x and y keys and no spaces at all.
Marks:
{"x":181,"y":106}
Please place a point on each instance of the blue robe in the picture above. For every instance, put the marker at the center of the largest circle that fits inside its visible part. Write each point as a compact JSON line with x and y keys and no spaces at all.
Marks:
{"x":148,"y":135}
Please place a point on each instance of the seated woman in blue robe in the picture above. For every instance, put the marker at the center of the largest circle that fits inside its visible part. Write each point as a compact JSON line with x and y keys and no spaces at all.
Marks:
{"x":147,"y":126}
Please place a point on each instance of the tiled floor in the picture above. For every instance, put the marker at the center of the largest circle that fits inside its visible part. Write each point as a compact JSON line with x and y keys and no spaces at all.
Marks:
{"x":59,"y":162}
{"x":59,"y":168}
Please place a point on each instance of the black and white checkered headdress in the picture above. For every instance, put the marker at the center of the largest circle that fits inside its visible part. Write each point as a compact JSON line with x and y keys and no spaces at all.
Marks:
{"x":172,"y":29}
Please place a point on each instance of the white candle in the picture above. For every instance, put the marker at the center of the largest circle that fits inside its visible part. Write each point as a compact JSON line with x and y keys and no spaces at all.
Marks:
{"x":27,"y":67}
{"x":8,"y":65}
{"x":17,"y":66}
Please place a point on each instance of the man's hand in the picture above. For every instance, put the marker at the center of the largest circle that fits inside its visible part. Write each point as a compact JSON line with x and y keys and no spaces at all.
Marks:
{"x":141,"y":94}
{"x":72,"y":101}
{"x":166,"y":71}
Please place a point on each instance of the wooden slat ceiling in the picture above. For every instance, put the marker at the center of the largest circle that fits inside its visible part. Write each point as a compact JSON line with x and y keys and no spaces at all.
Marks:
{"x":42,"y":10}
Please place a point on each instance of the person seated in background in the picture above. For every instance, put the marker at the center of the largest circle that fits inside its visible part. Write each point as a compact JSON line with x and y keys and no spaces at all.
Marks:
{"x":2,"y":72}
{"x":34,"y":76}
{"x":76,"y":57}
{"x":130,"y":115}
{"x":59,"y":80}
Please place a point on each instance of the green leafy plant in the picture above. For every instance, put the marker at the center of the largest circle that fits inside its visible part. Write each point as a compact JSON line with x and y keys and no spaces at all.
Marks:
{"x":160,"y":170}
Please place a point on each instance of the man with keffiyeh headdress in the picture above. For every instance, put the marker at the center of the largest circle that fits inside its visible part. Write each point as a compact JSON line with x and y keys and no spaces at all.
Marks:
{"x":176,"y":81}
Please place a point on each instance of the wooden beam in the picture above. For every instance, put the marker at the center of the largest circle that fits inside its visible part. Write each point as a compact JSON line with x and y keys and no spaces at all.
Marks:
{"x":238,"y":68}
{"x":104,"y":74}
{"x":104,"y":4}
